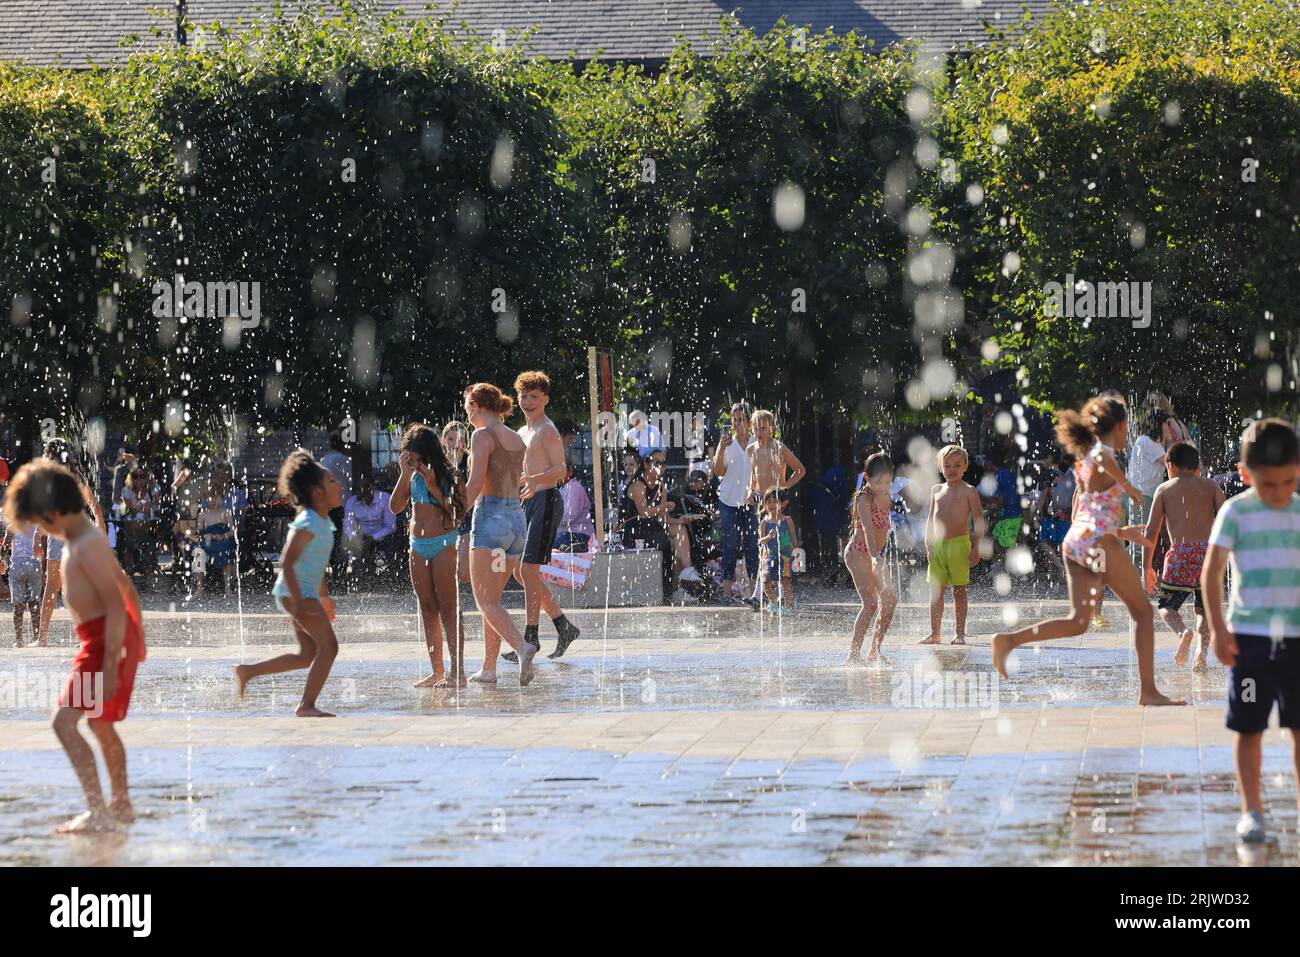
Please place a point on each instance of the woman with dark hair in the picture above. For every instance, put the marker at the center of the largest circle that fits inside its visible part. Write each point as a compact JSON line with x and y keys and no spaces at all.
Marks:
{"x":433,"y":489}
{"x":647,"y":509}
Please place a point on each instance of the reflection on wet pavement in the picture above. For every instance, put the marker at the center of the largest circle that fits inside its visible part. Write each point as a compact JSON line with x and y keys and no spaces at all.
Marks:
{"x":666,"y":738}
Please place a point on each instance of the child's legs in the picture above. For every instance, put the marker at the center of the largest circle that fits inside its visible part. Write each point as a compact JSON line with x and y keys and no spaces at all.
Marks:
{"x":1247,"y":750}
{"x":422,"y":585}
{"x":114,"y":756}
{"x":959,"y":606}
{"x":274,"y":666}
{"x":317,"y":625}
{"x":859,"y":565}
{"x":1173,"y":618}
{"x":936,"y":608}
{"x":1085,"y":589}
{"x":1122,"y":578}
{"x":80,"y":755}
{"x":787,"y":589}
{"x":443,"y":578}
{"x":888,"y":602}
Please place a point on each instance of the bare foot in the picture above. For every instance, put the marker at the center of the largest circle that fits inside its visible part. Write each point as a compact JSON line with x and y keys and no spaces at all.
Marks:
{"x":959,"y":640}
{"x":89,"y":822}
{"x":434,"y":680}
{"x":18,"y":643}
{"x":1001,"y":648}
{"x":1200,"y":666}
{"x":1155,"y":699}
{"x":312,"y":712}
{"x":121,"y":809}
{"x":877,"y":657}
{"x":43,"y":643}
{"x":854,"y":660}
{"x":484,"y":677}
{"x":1184,"y":648}
{"x":931,"y":640}
{"x":526,"y":669}
{"x":241,"y":679}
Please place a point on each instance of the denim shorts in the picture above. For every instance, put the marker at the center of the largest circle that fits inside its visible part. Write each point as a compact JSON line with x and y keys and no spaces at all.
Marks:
{"x":499,"y":523}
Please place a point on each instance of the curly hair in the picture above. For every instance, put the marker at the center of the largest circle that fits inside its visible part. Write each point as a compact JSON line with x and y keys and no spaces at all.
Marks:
{"x":300,"y":475}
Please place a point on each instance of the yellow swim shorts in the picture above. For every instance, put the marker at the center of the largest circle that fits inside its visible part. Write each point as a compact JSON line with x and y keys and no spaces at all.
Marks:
{"x":950,"y":564}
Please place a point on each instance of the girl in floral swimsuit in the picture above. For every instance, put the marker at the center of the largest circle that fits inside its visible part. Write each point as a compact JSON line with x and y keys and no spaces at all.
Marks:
{"x":1094,"y":557}
{"x":864,"y":557}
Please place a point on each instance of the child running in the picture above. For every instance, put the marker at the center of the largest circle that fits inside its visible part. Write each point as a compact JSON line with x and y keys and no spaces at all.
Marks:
{"x":777,"y":542}
{"x":864,"y":557}
{"x":1094,"y":557}
{"x":1259,"y":530}
{"x":1186,"y":504}
{"x":953,"y":551}
{"x":300,"y":590}
{"x":106,"y":612}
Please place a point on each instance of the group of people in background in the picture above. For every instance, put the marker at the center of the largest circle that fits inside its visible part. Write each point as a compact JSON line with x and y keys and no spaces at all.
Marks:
{"x":502,"y":495}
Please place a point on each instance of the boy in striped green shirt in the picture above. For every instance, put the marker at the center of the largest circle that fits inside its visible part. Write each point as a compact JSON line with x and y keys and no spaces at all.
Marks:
{"x":1259,"y":530}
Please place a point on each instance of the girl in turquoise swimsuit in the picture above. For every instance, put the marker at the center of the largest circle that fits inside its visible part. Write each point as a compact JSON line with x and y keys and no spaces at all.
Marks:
{"x":437,"y":498}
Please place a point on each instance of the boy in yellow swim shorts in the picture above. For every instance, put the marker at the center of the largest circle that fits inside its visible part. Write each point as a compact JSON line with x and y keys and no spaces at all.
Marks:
{"x":949,"y":543}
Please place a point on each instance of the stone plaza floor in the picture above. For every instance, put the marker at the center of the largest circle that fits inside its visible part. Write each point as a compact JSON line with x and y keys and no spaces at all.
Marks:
{"x":665,"y":736}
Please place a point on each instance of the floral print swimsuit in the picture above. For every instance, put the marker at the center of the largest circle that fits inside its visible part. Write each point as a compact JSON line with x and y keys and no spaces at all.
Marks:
{"x":1098,"y":514}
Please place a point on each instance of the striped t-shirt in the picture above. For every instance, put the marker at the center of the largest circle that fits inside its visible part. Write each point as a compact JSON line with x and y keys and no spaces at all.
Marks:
{"x":1265,"y":544}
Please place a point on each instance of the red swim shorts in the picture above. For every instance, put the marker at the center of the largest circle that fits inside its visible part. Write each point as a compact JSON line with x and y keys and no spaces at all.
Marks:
{"x":81,"y":689}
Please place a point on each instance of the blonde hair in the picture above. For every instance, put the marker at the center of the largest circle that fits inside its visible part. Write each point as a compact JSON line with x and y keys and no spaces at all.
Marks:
{"x":760,"y":415}
{"x":948,"y":450}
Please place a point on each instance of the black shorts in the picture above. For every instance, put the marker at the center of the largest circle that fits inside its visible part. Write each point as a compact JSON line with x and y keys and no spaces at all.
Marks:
{"x":1264,"y":673}
{"x":1174,"y":597}
{"x":543,"y":514}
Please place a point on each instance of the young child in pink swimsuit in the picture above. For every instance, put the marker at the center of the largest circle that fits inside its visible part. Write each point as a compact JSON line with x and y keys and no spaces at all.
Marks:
{"x":864,"y":557}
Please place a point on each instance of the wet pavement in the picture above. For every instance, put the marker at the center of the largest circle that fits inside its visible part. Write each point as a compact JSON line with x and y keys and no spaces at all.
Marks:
{"x":665,"y":736}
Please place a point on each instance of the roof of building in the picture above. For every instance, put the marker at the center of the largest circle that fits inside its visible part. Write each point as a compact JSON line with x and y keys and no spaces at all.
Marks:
{"x":80,"y":33}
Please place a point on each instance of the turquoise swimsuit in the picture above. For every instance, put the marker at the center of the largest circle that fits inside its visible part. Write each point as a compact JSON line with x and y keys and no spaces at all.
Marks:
{"x":309,"y":570}
{"x":428,"y":548}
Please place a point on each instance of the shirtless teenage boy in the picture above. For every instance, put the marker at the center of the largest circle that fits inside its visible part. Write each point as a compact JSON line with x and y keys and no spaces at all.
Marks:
{"x":952,"y":550}
{"x":1187,"y":504}
{"x":544,"y":471}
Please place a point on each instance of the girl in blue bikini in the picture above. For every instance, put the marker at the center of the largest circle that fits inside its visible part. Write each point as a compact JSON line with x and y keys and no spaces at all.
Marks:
{"x":437,"y":498}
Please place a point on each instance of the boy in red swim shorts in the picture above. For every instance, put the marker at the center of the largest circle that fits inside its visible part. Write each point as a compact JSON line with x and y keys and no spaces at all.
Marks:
{"x":106,"y":610}
{"x":1186,"y":505}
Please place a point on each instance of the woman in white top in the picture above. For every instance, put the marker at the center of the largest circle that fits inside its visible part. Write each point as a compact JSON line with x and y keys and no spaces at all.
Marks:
{"x":739,"y":522}
{"x":1146,"y":464}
